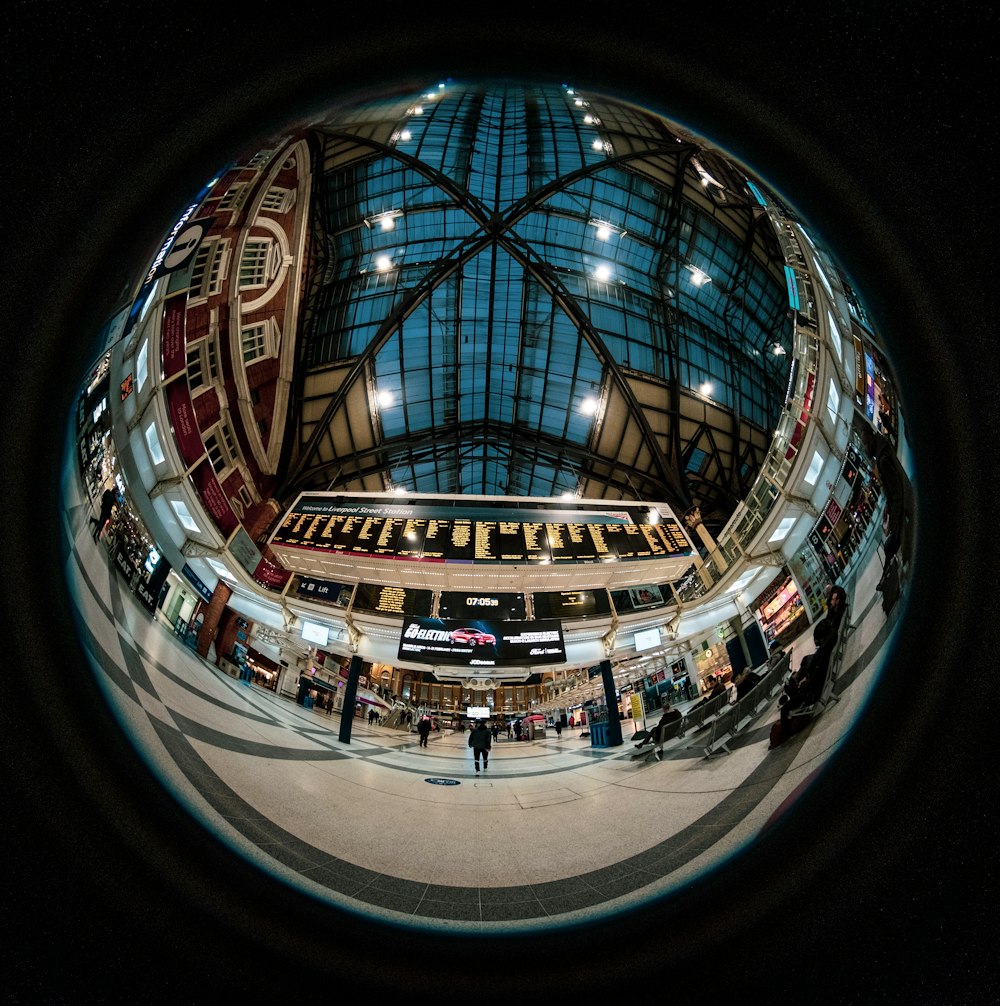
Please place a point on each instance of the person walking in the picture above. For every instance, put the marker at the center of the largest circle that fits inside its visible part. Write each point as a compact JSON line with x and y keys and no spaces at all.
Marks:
{"x":108,"y":501}
{"x":424,"y":729}
{"x":480,"y":740}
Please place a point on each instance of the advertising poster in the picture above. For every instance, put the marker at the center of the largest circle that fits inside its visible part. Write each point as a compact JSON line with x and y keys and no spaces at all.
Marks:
{"x":481,"y":643}
{"x":214,"y":498}
{"x":183,"y":421}
{"x":172,"y":336}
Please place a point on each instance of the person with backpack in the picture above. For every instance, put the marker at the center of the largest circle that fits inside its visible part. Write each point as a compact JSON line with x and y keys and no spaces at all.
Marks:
{"x":480,"y":740}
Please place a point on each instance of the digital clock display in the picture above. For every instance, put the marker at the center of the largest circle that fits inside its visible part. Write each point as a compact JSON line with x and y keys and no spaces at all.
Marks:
{"x":462,"y":604}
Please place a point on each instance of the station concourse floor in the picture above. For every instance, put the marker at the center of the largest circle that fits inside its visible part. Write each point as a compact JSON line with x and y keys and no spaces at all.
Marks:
{"x":554,"y":831}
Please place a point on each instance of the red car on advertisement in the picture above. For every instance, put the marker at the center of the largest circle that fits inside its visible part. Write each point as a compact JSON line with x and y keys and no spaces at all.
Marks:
{"x":473,"y":637}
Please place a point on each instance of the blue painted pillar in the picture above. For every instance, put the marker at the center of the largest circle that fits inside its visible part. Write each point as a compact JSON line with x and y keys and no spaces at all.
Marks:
{"x":614,"y":724}
{"x":350,"y":699}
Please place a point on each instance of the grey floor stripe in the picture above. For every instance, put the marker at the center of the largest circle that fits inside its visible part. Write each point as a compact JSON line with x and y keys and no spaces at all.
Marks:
{"x":587,"y":891}
{"x":430,"y":901}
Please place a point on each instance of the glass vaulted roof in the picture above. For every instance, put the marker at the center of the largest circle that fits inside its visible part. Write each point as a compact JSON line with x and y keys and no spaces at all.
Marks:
{"x":536,"y":291}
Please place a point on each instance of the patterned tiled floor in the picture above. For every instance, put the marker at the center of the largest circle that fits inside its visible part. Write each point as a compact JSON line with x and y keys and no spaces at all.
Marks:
{"x":555,"y":831}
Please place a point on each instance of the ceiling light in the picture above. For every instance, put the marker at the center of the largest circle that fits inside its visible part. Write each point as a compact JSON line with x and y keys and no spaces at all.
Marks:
{"x":598,"y":144}
{"x":698,"y":276}
{"x":418,"y":110}
{"x":602,"y":273}
{"x":405,"y":135}
{"x":387,"y":221}
{"x":603,"y":232}
{"x":778,"y":349}
{"x":386,"y":398}
{"x":578,"y":103}
{"x":588,"y":406}
{"x":383,"y":263}
{"x":705,"y":388}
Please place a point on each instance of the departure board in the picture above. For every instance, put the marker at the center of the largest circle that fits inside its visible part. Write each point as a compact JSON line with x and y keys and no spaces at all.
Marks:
{"x":388,"y":600}
{"x":479,"y":534}
{"x":570,"y":603}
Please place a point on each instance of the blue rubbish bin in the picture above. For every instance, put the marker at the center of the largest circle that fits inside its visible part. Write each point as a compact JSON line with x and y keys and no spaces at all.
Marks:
{"x":598,"y":735}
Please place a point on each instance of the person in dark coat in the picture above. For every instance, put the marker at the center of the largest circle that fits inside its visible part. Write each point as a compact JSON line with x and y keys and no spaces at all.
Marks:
{"x":898,"y":492}
{"x":107,"y":505}
{"x":424,"y":729}
{"x":805,"y":685}
{"x":669,"y":716}
{"x":480,"y":740}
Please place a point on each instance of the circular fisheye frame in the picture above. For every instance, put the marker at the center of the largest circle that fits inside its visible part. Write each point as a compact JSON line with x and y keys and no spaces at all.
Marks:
{"x":510,"y":402}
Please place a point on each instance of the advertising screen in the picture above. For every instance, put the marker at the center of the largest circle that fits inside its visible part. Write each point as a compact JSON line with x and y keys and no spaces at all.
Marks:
{"x":646,"y":639}
{"x":313,"y":632}
{"x":481,"y":643}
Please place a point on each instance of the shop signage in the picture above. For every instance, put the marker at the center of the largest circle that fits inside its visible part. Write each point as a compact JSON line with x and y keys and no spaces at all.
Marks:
{"x":203,"y":592}
{"x":481,"y":643}
{"x":772,"y":589}
{"x":177,"y":247}
{"x":145,"y":585}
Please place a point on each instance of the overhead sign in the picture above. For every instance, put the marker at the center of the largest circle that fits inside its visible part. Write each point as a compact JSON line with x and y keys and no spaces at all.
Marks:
{"x":480,"y":534}
{"x":481,"y":643}
{"x":571,"y":603}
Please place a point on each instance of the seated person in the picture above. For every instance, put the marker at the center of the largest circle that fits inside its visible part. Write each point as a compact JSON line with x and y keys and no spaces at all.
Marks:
{"x":669,"y":716}
{"x":826,"y":630}
{"x":718,"y":688}
{"x":744,"y":682}
{"x":804,"y":686}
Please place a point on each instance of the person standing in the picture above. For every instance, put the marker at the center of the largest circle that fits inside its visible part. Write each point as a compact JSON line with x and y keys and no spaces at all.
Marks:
{"x":480,"y":740}
{"x":424,"y":729}
{"x":558,"y":724}
{"x":107,"y":505}
{"x":496,"y":730}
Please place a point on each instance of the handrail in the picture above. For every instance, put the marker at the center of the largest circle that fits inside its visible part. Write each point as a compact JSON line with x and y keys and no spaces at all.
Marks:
{"x":751,"y":514}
